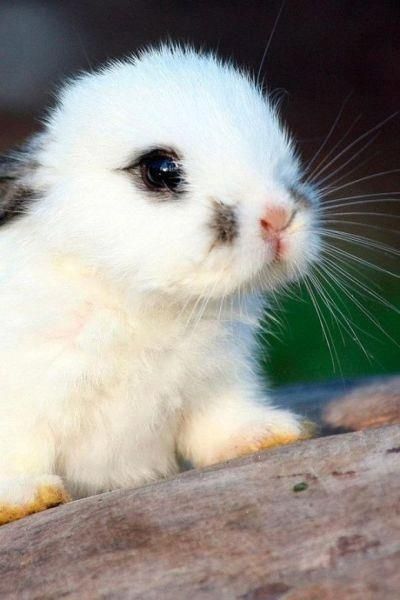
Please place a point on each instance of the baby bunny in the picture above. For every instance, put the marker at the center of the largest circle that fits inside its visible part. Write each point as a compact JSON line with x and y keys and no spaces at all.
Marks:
{"x":138,"y":229}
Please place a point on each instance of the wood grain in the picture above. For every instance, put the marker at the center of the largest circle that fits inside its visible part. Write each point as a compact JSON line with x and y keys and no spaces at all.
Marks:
{"x":370,"y":405}
{"x":238,"y":530}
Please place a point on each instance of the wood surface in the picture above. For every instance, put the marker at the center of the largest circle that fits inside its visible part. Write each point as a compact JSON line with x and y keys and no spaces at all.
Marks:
{"x":317,"y":520}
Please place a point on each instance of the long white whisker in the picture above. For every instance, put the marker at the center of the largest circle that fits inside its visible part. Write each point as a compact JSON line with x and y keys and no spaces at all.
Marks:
{"x":361,"y":261}
{"x":271,"y":35}
{"x":376,"y":196}
{"x":328,"y":301}
{"x":331,"y":280}
{"x":362,"y":213}
{"x":347,"y":291}
{"x":327,"y":137}
{"x":363,"y":289}
{"x":360,"y":240}
{"x":340,"y":168}
{"x":369,"y":225}
{"x":354,"y":142}
{"x":324,"y":328}
{"x":328,"y":190}
{"x":334,"y":148}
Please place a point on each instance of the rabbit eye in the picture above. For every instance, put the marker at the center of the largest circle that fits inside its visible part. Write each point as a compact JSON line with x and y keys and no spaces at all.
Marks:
{"x":161,"y":171}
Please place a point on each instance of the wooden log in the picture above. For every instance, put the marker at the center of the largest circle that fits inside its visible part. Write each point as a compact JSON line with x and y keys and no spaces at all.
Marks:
{"x":346,"y":405}
{"x":317,"y":520}
{"x":370,"y":405}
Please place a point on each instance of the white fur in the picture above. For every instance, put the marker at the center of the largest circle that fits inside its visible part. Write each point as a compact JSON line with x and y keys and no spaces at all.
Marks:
{"x":110,"y":358}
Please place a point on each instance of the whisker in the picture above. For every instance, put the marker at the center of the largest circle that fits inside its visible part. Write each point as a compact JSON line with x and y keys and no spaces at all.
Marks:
{"x":360,"y":240}
{"x":328,"y":136}
{"x":348,"y":161}
{"x":341,"y":317}
{"x":331,"y":281}
{"x":362,"y":288}
{"x":346,"y":290}
{"x":363,"y":213}
{"x":328,"y":190}
{"x":325,"y":330}
{"x":271,"y":35}
{"x":328,"y":302}
{"x":377,"y":196}
{"x":356,"y":141}
{"x":359,"y":260}
{"x":361,"y":224}
{"x":333,"y":149}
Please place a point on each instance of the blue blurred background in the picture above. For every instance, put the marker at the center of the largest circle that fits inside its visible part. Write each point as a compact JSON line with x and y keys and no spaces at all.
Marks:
{"x":323,"y":52}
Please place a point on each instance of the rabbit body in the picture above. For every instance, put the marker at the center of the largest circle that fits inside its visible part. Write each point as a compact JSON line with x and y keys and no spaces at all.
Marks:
{"x":120,"y":347}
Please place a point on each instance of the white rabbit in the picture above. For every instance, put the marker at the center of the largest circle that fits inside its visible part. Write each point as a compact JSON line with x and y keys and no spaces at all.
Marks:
{"x":136,"y":226}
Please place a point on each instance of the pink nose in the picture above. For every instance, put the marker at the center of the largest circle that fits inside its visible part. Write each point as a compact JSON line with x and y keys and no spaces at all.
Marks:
{"x":276,"y":218}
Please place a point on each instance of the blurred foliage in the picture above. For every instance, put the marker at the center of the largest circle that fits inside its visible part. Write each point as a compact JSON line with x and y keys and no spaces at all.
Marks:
{"x":296,"y":350}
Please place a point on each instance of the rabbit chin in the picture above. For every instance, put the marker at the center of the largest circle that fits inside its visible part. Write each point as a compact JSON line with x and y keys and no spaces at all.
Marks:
{"x":244,"y":279}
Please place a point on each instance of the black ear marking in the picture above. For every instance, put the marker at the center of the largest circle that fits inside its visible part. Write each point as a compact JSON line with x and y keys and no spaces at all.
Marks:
{"x":15,"y":193}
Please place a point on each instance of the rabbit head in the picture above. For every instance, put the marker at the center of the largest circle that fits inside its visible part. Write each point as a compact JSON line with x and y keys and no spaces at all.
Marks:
{"x":171,"y":172}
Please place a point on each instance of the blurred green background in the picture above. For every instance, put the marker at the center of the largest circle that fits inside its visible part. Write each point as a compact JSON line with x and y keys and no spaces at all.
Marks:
{"x":322,"y":51}
{"x":298,"y":351}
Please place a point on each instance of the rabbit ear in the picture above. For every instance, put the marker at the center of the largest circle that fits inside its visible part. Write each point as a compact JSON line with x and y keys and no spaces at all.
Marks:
{"x":15,"y":193}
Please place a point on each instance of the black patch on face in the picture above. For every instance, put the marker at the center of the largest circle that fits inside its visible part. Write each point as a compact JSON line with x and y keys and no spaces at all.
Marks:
{"x":301,"y":197}
{"x":224,"y":223}
{"x":15,"y":193}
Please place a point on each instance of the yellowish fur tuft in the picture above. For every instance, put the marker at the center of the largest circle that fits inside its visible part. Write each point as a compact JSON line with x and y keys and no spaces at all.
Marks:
{"x":272,"y":440}
{"x":47,"y":496}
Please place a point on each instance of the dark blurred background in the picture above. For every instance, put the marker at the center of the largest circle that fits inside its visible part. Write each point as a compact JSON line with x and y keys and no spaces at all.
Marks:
{"x":323,"y":52}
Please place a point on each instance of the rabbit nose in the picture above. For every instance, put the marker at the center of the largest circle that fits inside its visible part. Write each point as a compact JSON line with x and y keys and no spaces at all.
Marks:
{"x":276,"y":219}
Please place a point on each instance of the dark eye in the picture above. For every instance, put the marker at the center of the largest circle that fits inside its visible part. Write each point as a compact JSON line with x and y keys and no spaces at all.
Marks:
{"x":161,"y":172}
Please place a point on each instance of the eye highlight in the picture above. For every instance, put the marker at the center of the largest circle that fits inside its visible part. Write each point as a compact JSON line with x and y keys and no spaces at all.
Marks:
{"x":160,"y":171}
